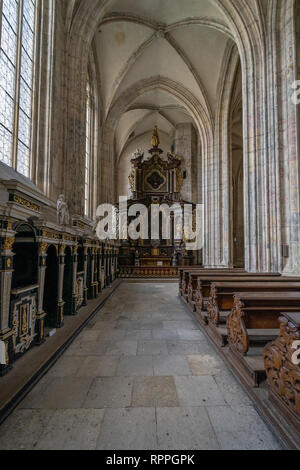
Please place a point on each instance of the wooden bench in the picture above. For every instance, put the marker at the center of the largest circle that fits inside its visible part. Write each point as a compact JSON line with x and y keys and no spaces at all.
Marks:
{"x":193,"y":283}
{"x":283,"y":373}
{"x":251,"y":324}
{"x":202,"y":293}
{"x":221,"y":299}
{"x":185,"y":273}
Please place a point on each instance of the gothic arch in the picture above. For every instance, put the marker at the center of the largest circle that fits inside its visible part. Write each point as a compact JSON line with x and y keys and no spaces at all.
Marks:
{"x":124,"y":101}
{"x":248,"y":27}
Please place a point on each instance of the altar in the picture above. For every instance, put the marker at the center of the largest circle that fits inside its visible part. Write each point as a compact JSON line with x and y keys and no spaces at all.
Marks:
{"x":156,"y":261}
{"x":156,"y":180}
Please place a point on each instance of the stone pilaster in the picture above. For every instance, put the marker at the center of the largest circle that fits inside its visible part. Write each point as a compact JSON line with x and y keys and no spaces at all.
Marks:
{"x":74,"y":284}
{"x":60,"y":302}
{"x":6,"y":241}
{"x":40,"y":317}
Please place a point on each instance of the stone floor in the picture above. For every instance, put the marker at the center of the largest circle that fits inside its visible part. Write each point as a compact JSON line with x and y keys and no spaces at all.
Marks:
{"x":140,"y":376}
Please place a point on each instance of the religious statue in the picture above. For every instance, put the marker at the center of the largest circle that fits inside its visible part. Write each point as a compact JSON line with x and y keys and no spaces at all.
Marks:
{"x":174,"y":259}
{"x":155,"y":138}
{"x":137,"y":156}
{"x":63,"y":216}
{"x":131,"y":179}
{"x":174,"y":159}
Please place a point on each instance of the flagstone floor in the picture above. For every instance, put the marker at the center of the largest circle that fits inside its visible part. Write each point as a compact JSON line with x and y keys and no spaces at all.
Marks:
{"x":140,"y":376}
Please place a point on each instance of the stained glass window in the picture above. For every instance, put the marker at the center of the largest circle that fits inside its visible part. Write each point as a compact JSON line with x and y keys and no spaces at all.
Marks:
{"x":18,"y":19}
{"x":88,"y":148}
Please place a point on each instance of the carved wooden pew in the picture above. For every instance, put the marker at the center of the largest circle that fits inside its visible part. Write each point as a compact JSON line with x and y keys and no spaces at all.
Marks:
{"x":191,"y":287}
{"x":202,"y":293}
{"x":185,"y":273}
{"x":251,"y":324}
{"x":221,"y":301}
{"x":281,"y":359}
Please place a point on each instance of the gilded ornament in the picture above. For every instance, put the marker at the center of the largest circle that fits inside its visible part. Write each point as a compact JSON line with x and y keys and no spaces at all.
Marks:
{"x":155,"y":138}
{"x":6,"y":354}
{"x":24,"y":319}
{"x":131,"y":179}
{"x":8,"y":243}
{"x":62,"y":250}
{"x":43,"y":247}
{"x":23,"y":202}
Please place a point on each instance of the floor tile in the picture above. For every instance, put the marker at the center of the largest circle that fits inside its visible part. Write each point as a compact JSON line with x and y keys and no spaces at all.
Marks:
{"x":128,"y":429}
{"x":66,"y":366}
{"x":164,"y":333}
{"x":132,"y":366}
{"x":59,"y":393}
{"x":171,"y":364}
{"x":241,"y":428}
{"x":198,"y":391}
{"x":205,"y":364}
{"x":23,"y":428}
{"x":182,"y":347}
{"x":152,"y":347}
{"x":184,"y":325}
{"x":109,"y":392}
{"x":154,"y":392}
{"x":125,"y":347}
{"x":98,"y":366}
{"x":72,"y":430}
{"x":185,"y":429}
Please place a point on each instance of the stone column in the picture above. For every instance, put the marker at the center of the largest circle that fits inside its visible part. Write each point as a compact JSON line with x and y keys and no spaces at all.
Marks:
{"x":74,"y":293}
{"x":110,"y":266}
{"x":61,"y":303}
{"x":94,"y":283}
{"x":40,"y":318}
{"x":105,"y":265}
{"x":86,"y":254}
{"x":99,"y":262}
{"x":186,"y":146}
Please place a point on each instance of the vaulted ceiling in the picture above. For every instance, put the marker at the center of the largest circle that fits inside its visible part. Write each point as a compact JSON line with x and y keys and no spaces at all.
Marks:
{"x":182,"y":41}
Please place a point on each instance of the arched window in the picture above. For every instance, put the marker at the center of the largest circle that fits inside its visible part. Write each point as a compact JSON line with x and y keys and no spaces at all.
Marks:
{"x":88,"y":148}
{"x":17,"y":59}
{"x":91,"y":143}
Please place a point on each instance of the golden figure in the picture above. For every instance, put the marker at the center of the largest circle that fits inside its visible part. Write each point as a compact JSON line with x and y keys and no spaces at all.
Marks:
{"x":131,"y":179}
{"x":155,"y":138}
{"x":24,"y":319}
{"x":179,"y":179}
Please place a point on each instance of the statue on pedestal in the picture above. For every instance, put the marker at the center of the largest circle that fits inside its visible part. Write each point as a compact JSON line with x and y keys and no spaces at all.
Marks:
{"x":63,"y":216}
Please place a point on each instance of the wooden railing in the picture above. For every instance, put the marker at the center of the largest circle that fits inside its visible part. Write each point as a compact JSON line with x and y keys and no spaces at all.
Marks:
{"x":148,"y":272}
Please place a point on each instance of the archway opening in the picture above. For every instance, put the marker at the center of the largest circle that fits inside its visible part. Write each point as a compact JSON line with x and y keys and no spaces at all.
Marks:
{"x":25,"y":263}
{"x":51,"y":288}
{"x":80,"y":259}
{"x":89,"y":274}
{"x":237,"y":167}
{"x":68,"y":282}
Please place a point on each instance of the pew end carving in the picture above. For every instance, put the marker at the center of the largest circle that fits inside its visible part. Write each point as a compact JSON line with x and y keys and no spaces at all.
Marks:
{"x":283,"y":370}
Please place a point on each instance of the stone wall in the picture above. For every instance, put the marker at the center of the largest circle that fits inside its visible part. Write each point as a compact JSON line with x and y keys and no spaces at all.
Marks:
{"x":186,"y":146}
{"x":268,"y":47}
